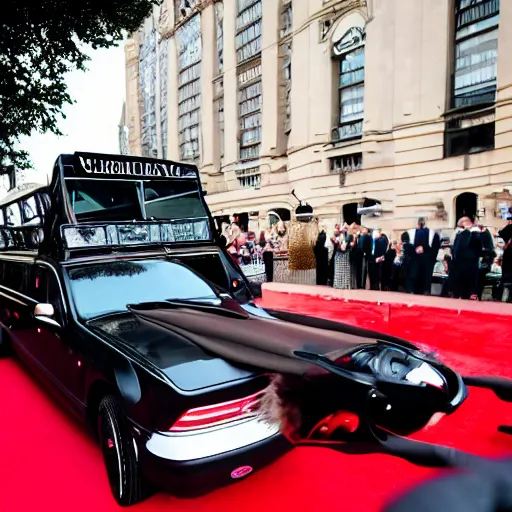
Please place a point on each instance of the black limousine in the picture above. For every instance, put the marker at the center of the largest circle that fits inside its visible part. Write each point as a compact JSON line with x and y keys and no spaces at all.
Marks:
{"x":115,"y":291}
{"x":110,"y":233}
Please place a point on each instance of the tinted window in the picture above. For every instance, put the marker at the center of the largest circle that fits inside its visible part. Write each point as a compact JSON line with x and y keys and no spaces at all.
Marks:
{"x":13,"y":215}
{"x":173,"y":200}
{"x":30,"y":214}
{"x":110,"y":287}
{"x":15,"y":276}
{"x":47,"y":290}
{"x":106,"y":200}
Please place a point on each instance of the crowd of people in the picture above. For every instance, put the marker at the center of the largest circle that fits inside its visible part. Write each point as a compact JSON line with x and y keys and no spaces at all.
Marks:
{"x":353,"y":257}
{"x":360,"y":259}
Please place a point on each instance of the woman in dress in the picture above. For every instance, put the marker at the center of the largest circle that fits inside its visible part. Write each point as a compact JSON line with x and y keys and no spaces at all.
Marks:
{"x":344,"y":276}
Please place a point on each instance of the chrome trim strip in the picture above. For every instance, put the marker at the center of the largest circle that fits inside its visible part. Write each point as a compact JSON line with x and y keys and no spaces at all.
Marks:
{"x":199,"y":445}
{"x":173,"y":252}
{"x":19,"y":258}
{"x":9,"y":290}
{"x":9,"y":297}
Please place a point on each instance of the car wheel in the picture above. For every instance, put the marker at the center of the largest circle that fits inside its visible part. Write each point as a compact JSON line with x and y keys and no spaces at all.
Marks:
{"x":126,"y":481}
{"x":4,"y":343}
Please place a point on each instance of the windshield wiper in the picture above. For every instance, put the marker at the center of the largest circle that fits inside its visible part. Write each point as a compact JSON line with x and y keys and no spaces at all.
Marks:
{"x":206,"y":305}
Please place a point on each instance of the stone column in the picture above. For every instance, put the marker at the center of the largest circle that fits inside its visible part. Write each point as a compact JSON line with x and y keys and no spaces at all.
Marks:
{"x":504,"y":113}
{"x":230,"y":85}
{"x":131,"y":50}
{"x":270,"y":67}
{"x":173,"y":152}
{"x":209,"y":52}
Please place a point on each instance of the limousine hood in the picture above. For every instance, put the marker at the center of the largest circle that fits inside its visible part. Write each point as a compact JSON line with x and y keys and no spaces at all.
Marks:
{"x":184,"y":363}
{"x":262,"y":341}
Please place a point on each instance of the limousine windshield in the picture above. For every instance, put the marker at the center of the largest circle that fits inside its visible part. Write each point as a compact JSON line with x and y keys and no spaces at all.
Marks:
{"x":110,"y":287}
{"x":116,"y":200}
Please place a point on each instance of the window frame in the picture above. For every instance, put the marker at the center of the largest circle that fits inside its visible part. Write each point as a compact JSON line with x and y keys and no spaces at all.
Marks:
{"x":354,"y":45}
{"x":285,"y":56}
{"x":189,"y":90}
{"x":250,"y":150}
{"x":459,"y":40}
{"x":50,"y":278}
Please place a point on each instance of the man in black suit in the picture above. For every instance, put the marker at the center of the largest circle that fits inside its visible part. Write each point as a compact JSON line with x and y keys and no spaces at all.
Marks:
{"x":467,"y":250}
{"x":426,"y":247}
{"x":376,"y":261}
{"x":364,"y":246}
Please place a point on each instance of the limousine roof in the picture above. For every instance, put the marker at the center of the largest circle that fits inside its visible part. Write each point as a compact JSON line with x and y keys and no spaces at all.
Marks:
{"x":105,"y":166}
{"x":26,"y":189}
{"x":179,"y":214}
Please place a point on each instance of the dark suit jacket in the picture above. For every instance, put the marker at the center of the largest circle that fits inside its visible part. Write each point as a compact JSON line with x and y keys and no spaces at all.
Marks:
{"x":381,"y":246}
{"x":365,"y":244}
{"x":467,"y":247}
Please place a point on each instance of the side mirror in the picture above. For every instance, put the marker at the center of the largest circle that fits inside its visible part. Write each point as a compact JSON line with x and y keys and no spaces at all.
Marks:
{"x":45,"y":310}
{"x":44,"y":313}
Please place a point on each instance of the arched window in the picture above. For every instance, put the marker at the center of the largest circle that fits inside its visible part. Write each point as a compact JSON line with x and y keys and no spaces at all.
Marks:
{"x":466,"y":205}
{"x":348,"y":50}
{"x":349,"y":213}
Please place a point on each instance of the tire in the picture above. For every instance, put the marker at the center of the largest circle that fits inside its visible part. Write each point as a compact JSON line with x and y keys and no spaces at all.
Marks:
{"x":5,"y":349}
{"x":117,"y":445}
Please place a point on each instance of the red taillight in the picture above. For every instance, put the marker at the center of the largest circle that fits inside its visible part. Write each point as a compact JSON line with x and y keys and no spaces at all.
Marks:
{"x":218,"y":414}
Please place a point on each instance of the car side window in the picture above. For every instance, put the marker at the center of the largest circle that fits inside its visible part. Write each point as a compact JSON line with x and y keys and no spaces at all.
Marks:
{"x":15,"y":276}
{"x":47,"y":291}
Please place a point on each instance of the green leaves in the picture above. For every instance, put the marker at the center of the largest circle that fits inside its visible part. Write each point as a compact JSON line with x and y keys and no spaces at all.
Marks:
{"x":41,"y":41}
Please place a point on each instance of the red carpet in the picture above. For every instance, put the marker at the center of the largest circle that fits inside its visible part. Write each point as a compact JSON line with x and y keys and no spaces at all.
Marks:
{"x":48,"y":462}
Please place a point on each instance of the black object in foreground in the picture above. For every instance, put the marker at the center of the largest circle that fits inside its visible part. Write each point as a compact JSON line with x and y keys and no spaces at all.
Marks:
{"x":482,"y":486}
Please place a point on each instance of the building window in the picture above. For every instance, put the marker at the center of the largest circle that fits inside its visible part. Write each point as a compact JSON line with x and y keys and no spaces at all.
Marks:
{"x":476,"y":52}
{"x":349,"y":51}
{"x":248,"y":48}
{"x":470,"y":134}
{"x":163,"y":67}
{"x":249,"y":110}
{"x":248,"y":30}
{"x":188,"y":41}
{"x":218,"y":101}
{"x":219,"y":24}
{"x":249,"y":178}
{"x":286,"y":59}
{"x":148,"y":80}
{"x":470,"y":126}
{"x":286,"y":19}
{"x":287,"y":85}
{"x":345,"y":164}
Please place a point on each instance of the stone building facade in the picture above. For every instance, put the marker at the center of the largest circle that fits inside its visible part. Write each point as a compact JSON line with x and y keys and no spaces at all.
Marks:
{"x":402,"y":106}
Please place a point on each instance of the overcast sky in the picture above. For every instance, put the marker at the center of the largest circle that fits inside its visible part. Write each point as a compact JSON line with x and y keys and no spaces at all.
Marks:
{"x":92,"y":122}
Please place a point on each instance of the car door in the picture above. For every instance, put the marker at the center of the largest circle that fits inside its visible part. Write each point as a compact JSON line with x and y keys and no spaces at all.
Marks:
{"x":56,"y":349}
{"x":16,"y":307}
